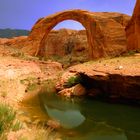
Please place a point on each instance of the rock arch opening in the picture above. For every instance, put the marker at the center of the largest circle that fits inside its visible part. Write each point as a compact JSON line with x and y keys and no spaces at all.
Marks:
{"x":69,"y":24}
{"x":66,"y":43}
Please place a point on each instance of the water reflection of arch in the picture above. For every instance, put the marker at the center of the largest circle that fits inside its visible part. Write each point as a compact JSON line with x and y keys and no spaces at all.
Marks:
{"x":86,"y":18}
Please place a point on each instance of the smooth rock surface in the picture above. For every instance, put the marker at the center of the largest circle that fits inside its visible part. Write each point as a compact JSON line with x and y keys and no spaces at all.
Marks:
{"x":77,"y":90}
{"x":133,"y":29}
{"x":107,"y":79}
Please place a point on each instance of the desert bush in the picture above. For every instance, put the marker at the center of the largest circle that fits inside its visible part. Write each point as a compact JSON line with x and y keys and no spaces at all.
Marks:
{"x":69,"y":47}
{"x":131,"y":52}
{"x":40,"y":133}
{"x":31,"y":83}
{"x":72,"y":81}
{"x":8,"y":120}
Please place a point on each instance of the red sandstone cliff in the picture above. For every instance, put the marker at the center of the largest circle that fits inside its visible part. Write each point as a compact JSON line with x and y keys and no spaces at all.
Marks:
{"x":133,"y":29}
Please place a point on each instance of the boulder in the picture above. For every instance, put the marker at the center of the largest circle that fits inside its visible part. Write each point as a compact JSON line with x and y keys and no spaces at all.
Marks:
{"x":77,"y":90}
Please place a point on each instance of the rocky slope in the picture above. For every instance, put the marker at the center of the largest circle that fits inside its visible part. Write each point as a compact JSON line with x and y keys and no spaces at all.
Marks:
{"x":18,"y":79}
{"x":133,"y":29}
{"x":65,"y":45}
{"x":18,"y":75}
{"x":15,"y":42}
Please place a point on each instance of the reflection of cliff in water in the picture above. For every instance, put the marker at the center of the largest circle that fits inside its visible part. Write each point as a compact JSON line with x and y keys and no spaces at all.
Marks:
{"x":89,"y":119}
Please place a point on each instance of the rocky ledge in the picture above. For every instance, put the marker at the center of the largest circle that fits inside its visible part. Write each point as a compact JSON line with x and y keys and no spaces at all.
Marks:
{"x":117,"y":78}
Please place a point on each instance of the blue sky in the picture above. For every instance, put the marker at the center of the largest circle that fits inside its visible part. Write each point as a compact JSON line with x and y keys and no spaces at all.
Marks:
{"x":22,"y":14}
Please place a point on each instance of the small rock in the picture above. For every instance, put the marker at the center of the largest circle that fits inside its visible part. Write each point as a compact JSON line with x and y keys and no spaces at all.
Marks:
{"x":119,"y":68}
{"x":79,"y":90}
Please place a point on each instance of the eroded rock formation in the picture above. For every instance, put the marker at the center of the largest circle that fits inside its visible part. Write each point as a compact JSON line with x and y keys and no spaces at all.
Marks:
{"x":133,"y":29}
{"x":104,"y":79}
{"x":105,"y":32}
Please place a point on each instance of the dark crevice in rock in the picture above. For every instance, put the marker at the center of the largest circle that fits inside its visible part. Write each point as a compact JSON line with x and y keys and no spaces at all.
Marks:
{"x":114,"y":88}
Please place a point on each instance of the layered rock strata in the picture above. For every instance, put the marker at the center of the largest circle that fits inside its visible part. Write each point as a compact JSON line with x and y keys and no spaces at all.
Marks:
{"x":115,"y":79}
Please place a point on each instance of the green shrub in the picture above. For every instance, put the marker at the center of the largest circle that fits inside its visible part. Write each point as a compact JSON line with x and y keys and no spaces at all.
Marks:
{"x":72,"y":81}
{"x":30,"y":83}
{"x":8,"y":120}
{"x":130,"y":52}
{"x":32,"y":87}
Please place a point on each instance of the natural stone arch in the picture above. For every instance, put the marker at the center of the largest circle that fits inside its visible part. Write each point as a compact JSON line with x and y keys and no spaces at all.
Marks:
{"x":105,"y":32}
{"x":43,"y":26}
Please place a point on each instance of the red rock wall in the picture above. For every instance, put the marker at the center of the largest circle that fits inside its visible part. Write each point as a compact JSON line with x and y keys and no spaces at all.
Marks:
{"x":64,"y":42}
{"x":133,"y":29}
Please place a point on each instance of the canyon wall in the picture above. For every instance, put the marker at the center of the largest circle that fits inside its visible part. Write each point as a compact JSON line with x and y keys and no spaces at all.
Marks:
{"x":133,"y":29}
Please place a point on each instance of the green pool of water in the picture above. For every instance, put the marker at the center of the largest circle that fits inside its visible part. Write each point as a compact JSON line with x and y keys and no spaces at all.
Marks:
{"x":87,"y":119}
